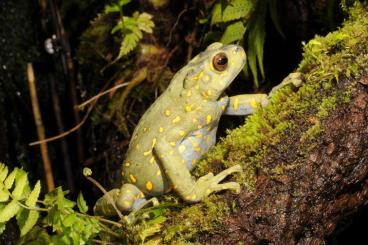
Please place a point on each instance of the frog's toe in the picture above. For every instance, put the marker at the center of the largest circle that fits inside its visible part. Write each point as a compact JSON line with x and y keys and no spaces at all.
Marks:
{"x":235,"y":187}
{"x":222,"y":175}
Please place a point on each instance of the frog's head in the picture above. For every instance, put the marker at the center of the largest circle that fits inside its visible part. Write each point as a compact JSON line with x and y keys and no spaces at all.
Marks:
{"x":213,"y":70}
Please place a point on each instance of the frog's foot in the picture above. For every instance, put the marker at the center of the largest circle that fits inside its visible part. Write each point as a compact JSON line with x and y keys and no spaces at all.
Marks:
{"x":294,"y":78}
{"x":132,"y":217}
{"x":209,"y":183}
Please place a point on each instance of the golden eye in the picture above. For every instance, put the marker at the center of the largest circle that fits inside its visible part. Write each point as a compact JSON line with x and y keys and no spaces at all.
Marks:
{"x":219,"y":61}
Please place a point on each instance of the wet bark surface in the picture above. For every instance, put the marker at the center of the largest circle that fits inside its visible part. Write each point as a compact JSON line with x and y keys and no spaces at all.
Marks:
{"x":307,"y":202}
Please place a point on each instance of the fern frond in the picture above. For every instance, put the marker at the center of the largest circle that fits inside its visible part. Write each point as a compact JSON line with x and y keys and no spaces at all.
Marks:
{"x":233,"y":32}
{"x":21,"y":181}
{"x":33,"y":196}
{"x":9,"y":211}
{"x":234,"y":10}
{"x":26,"y":219}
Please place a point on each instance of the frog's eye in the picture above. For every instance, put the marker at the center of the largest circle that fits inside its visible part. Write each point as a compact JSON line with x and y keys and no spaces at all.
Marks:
{"x":219,"y":61}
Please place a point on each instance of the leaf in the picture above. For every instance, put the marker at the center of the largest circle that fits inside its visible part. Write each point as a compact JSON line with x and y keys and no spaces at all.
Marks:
{"x":112,"y":9}
{"x":26,"y":220}
{"x":145,"y":22}
{"x":33,"y":196}
{"x":3,"y":172}
{"x":10,"y":179}
{"x":4,"y":195}
{"x":233,"y":32}
{"x":234,"y":10}
{"x":256,"y":41}
{"x":20,"y":184}
{"x":274,"y":16}
{"x":81,"y":203}
{"x":9,"y":211}
{"x":2,"y":228}
{"x":124,"y":2}
{"x":129,"y":42}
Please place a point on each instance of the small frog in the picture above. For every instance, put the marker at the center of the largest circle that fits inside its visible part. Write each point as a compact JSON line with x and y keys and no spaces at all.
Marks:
{"x":179,"y":128}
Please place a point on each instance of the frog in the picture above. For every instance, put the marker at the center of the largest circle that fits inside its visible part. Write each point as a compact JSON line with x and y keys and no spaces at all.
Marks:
{"x":178,"y":129}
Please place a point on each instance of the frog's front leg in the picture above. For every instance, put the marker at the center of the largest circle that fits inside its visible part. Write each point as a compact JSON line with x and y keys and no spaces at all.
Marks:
{"x":183,"y":183}
{"x":243,"y":104}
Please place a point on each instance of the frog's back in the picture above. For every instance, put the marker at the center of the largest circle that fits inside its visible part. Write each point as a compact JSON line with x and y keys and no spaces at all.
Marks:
{"x":141,"y":167}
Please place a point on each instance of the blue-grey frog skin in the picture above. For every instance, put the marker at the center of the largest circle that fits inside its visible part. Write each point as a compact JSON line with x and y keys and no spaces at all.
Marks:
{"x":178,"y":129}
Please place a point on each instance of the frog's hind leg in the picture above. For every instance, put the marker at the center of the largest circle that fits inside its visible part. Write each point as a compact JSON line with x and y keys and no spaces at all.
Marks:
{"x":133,"y":199}
{"x":127,"y":198}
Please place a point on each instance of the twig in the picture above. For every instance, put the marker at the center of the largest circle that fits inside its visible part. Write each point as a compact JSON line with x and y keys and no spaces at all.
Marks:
{"x":97,"y":96}
{"x":40,"y":128}
{"x":176,"y":24}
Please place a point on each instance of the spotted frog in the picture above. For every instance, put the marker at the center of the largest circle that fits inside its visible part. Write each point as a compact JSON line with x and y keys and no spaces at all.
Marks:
{"x":178,"y":129}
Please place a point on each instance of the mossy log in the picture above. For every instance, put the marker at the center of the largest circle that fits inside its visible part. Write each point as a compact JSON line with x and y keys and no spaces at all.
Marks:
{"x":305,"y":156}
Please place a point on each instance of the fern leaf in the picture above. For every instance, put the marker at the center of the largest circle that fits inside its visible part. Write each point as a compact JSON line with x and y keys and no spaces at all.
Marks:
{"x":129,"y":42}
{"x":233,"y":32}
{"x":9,"y":211}
{"x":3,"y":172}
{"x":81,"y":203}
{"x":33,"y":196}
{"x":4,"y":195}
{"x":26,"y":219}
{"x":234,"y":10}
{"x":2,"y":228}
{"x":145,"y":23}
{"x":20,"y":184}
{"x":10,"y":179}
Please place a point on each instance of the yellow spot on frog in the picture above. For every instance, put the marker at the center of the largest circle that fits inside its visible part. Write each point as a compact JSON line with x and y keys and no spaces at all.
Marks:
{"x":194,"y":120}
{"x":137,"y":146}
{"x":146,"y":153}
{"x":196,"y":87}
{"x":158,"y":173}
{"x":145,"y":129}
{"x":181,"y":148}
{"x":188,"y":108}
{"x":173,"y":143}
{"x":194,"y":143}
{"x":152,"y":160}
{"x":223,"y":108}
{"x":161,"y":129}
{"x":209,"y":92}
{"x":176,"y":119}
{"x":199,"y":136}
{"x":253,"y":103}
{"x":197,"y":76}
{"x":167,"y":112}
{"x":132,"y":178}
{"x":208,"y":191}
{"x":198,"y":108}
{"x":194,"y":197}
{"x":171,"y":152}
{"x":189,"y":93}
{"x":204,"y":94}
{"x":127,"y":164}
{"x":181,"y":133}
{"x":154,"y":142}
{"x":222,"y":99}
{"x":198,"y":149}
{"x":236,"y":104}
{"x":206,"y":78}
{"x":141,"y":194}
{"x":209,"y":119}
{"x":127,"y":204}
{"x":149,"y":185}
